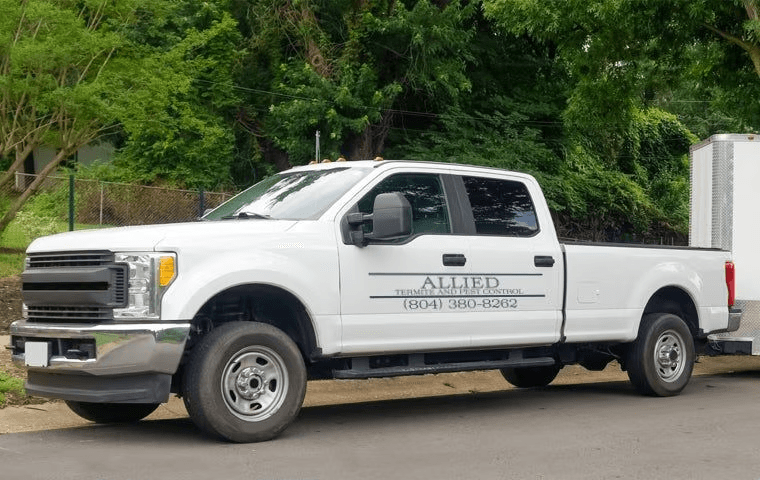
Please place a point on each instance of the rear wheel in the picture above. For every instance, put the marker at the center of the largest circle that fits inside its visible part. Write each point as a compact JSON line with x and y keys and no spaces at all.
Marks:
{"x":661,"y":360}
{"x":112,"y":412}
{"x":245,"y":382}
{"x":526,"y":377}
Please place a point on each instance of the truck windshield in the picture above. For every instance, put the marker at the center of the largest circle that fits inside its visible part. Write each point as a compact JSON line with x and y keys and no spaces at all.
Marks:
{"x":301,"y":195}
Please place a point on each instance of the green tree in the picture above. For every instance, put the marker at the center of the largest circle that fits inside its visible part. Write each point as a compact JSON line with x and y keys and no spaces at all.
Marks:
{"x":344,"y":68}
{"x":54,"y":86}
{"x":176,"y":100}
{"x":154,"y":77}
{"x":628,"y":63}
{"x":625,"y":53}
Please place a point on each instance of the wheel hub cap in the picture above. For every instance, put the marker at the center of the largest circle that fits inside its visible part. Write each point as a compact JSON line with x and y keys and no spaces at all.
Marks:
{"x":254,"y":383}
{"x":250,"y":383}
{"x":668,"y":356}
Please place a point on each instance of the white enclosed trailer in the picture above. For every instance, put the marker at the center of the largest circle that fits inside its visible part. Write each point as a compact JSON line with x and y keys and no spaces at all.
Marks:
{"x":725,"y":214}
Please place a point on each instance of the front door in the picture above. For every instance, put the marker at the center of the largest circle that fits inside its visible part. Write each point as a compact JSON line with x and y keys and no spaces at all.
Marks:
{"x":394,"y":295}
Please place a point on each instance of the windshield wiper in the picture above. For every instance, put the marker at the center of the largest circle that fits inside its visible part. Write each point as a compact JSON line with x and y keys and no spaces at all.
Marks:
{"x":247,"y":215}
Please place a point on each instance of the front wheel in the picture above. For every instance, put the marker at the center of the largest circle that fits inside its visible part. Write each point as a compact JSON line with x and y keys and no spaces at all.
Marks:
{"x":661,"y":360}
{"x":112,"y":412}
{"x":245,"y":382}
{"x":527,"y":377}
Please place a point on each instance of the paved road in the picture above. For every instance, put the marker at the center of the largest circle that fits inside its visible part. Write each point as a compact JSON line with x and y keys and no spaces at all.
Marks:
{"x":588,"y":431}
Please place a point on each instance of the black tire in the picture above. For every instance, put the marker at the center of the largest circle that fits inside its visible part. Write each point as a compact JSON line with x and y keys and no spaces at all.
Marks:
{"x":527,"y":377}
{"x":245,"y":382}
{"x":661,"y":360}
{"x":112,"y":412}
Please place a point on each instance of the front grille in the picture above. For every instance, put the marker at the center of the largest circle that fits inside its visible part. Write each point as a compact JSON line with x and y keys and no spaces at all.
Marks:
{"x":74,"y":287}
{"x":69,"y":259}
{"x":69,"y":314}
{"x":120,"y":287}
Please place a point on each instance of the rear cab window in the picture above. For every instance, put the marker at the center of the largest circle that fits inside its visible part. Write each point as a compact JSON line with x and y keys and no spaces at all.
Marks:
{"x":501,"y":207}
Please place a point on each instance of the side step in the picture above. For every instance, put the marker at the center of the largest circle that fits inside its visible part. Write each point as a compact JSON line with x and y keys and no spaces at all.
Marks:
{"x":415,"y":364}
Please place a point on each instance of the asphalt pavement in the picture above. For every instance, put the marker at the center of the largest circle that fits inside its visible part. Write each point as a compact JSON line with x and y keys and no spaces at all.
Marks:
{"x":587,"y":431}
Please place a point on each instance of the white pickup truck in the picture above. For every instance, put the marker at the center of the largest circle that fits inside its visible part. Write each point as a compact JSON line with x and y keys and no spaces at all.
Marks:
{"x":352,"y":270}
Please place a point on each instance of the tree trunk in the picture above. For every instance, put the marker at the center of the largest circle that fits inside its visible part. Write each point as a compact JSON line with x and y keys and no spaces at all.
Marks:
{"x":271,"y":153}
{"x":274,"y":155}
{"x":16,"y":165}
{"x":35,"y":185}
{"x":754,"y":54}
{"x":371,"y":142}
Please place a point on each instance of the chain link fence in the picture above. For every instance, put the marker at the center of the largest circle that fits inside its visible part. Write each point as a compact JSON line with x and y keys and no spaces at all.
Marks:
{"x":107,"y":204}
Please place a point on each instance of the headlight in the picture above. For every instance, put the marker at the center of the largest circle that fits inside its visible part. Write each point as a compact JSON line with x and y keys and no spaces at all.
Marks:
{"x":149,"y":276}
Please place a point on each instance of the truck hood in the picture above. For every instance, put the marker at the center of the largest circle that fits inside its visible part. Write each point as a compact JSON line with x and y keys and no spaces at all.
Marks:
{"x":151,"y":237}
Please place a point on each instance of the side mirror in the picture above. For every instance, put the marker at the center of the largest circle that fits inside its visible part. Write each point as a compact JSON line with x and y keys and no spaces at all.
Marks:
{"x":391,"y":218}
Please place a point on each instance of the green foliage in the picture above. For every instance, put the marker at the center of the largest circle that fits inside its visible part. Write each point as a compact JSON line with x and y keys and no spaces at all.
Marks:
{"x":340,"y":67}
{"x":174,"y":101}
{"x":50,"y":203}
{"x":627,"y":53}
{"x":155,"y":77}
{"x":11,"y":264}
{"x":53,"y":56}
{"x":105,"y":172}
{"x":595,"y":98}
{"x":628,"y":63}
{"x":10,"y":386}
{"x":34,"y":225}
{"x":14,"y":237}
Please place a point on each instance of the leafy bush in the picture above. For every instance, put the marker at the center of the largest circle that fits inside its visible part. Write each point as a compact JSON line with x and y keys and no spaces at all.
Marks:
{"x":35,"y":225}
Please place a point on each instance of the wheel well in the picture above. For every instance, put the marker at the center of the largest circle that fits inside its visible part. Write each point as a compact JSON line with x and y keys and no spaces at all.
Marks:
{"x":258,"y":303}
{"x":676,"y":301}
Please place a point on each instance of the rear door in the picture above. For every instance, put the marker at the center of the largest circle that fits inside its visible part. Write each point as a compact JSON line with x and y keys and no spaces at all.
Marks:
{"x":518,"y":258}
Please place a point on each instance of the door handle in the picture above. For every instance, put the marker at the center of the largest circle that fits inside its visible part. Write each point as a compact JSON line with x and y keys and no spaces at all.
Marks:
{"x":454,"y":259}
{"x":543,"y":261}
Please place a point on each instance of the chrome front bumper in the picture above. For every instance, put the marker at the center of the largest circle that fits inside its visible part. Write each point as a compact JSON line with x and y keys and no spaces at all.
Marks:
{"x":119,"y":349}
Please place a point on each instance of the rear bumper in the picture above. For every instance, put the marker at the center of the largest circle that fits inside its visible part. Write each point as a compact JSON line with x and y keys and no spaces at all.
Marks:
{"x":106,"y":363}
{"x":713,"y":320}
{"x":734,"y":319}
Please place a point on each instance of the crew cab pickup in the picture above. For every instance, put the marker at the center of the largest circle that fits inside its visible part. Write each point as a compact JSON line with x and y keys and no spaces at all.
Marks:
{"x":352,"y":270}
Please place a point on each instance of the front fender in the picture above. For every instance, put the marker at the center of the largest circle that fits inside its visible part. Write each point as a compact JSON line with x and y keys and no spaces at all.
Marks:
{"x":313,"y":280}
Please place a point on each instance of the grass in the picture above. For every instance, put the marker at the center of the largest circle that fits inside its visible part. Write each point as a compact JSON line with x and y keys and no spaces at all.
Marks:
{"x":10,"y":387}
{"x":16,"y":238}
{"x":11,"y":264}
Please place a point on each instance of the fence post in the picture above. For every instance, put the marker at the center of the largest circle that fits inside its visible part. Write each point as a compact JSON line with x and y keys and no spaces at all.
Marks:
{"x":101,"y":204}
{"x":201,"y":202}
{"x":71,"y":203}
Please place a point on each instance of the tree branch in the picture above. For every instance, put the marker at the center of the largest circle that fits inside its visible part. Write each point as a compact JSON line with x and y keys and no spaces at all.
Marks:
{"x":751,"y":49}
{"x":735,"y":40}
{"x":751,"y":7}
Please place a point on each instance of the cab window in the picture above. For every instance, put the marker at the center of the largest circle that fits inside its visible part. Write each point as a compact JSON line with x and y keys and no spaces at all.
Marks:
{"x":501,"y":207}
{"x":424,"y":192}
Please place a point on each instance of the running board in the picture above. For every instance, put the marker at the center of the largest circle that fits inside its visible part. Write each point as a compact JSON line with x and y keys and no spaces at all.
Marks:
{"x":360,"y":366}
